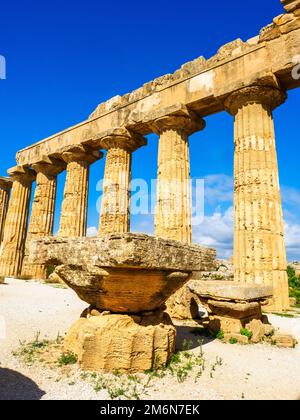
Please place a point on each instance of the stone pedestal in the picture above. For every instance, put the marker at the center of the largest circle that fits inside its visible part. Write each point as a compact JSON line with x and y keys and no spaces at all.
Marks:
{"x":231,"y":305}
{"x":42,"y":213}
{"x":5,"y":187}
{"x":12,"y":247}
{"x":74,"y":207}
{"x":124,"y":343}
{"x":125,"y":327}
{"x":115,"y":205}
{"x":259,"y":248}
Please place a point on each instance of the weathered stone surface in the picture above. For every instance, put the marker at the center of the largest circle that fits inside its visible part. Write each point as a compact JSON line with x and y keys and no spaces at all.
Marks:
{"x":5,"y":187}
{"x":115,"y":204}
{"x":74,"y":206}
{"x":118,"y":273}
{"x":258,"y":330}
{"x":173,"y":211}
{"x":284,"y":340}
{"x":124,"y":250}
{"x":122,"y":342}
{"x":268,"y":330}
{"x":12,"y":247}
{"x":290,"y":5}
{"x":259,"y":248}
{"x":239,"y":338}
{"x":183,"y":304}
{"x":42,"y":213}
{"x":226,"y":290}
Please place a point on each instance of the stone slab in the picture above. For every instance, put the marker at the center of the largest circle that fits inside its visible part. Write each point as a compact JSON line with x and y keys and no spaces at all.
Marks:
{"x":123,"y":250}
{"x":230,"y":290}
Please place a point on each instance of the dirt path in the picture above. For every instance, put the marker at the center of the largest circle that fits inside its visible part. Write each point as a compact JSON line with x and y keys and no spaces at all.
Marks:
{"x":250,"y":372}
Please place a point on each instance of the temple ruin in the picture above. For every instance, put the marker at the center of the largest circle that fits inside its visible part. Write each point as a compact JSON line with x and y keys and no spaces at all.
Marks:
{"x":247,"y":79}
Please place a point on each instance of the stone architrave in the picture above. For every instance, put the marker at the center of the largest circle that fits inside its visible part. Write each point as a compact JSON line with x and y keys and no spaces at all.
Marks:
{"x":259,"y":248}
{"x":42,"y":213}
{"x":5,"y":187}
{"x":74,"y":207}
{"x":12,"y":247}
{"x":115,"y":205}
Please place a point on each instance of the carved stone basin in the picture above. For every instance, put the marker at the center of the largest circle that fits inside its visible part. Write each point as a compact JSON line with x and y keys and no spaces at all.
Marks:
{"x":123,"y":273}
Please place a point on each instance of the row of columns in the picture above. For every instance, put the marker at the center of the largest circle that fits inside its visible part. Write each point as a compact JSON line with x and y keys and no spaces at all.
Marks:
{"x":259,"y":250}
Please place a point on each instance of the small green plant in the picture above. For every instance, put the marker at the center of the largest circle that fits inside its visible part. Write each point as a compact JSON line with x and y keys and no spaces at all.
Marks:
{"x":233,"y":340}
{"x":67,"y":358}
{"x":31,"y":352}
{"x":246,"y":332}
{"x":284,"y":314}
{"x":220,"y":335}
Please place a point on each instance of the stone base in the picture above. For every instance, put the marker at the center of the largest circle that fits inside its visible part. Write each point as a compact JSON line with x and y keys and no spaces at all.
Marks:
{"x":125,"y":343}
{"x":231,"y":306}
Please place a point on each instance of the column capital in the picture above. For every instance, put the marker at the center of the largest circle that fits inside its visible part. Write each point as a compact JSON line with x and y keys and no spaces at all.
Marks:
{"x":271,"y":97}
{"x":5,"y":183}
{"x":121,"y":138}
{"x":22,"y":174}
{"x":80,"y":153}
{"x":187,"y":122}
{"x":49,"y":166}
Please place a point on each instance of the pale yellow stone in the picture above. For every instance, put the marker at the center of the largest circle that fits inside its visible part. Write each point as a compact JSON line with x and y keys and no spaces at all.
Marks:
{"x":5,"y":187}
{"x":42,"y":214}
{"x":121,"y":342}
{"x":259,"y":248}
{"x":74,"y":206}
{"x":115,"y":205}
{"x":12,"y":247}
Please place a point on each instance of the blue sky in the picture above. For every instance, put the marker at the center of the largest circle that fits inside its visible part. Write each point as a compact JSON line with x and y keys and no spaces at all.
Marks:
{"x":64,"y":58}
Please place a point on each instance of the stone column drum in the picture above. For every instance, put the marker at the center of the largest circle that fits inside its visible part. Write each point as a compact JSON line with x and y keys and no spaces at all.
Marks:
{"x":74,"y":207}
{"x":115,"y":205}
{"x":12,"y":247}
{"x":173,"y":218}
{"x":173,"y":212}
{"x":5,"y":187}
{"x":42,"y":213}
{"x":259,"y":248}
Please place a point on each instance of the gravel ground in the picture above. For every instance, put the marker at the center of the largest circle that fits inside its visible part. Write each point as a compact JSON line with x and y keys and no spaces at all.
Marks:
{"x":247,"y":372}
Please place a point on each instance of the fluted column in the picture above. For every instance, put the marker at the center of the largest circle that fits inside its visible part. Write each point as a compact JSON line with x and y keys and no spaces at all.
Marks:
{"x":115,"y":205}
{"x":12,"y":247}
{"x":5,"y":187}
{"x":259,"y":248}
{"x":42,"y":214}
{"x":74,"y":207}
{"x":173,"y":211}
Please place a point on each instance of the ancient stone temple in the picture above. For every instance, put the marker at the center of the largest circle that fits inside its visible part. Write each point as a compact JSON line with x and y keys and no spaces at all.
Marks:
{"x":248,"y":79}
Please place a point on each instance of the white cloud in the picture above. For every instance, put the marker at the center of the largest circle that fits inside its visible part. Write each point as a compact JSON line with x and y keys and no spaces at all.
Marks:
{"x":216,"y":231}
{"x":218,"y":188}
{"x":92,"y":231}
{"x":292,"y":240}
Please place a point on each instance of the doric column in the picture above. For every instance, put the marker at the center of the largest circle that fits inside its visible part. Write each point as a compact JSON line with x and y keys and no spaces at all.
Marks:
{"x":173,"y":211}
{"x":5,"y":187}
{"x":12,"y":247}
{"x":115,"y":205}
{"x":42,"y":213}
{"x":74,"y":207}
{"x":259,"y":248}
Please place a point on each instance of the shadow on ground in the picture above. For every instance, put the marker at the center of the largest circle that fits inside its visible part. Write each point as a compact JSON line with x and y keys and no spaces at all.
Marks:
{"x":15,"y":386}
{"x":192,"y":335}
